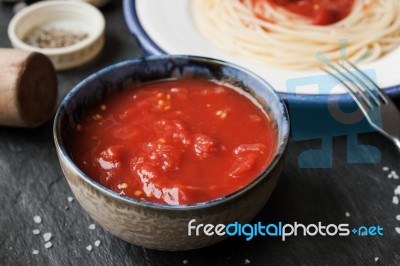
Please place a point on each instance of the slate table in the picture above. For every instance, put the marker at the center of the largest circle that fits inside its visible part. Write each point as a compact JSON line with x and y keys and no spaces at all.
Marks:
{"x":31,"y":183}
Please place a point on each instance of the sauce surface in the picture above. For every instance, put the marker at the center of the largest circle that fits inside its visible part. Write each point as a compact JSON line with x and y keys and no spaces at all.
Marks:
{"x":320,"y":12}
{"x":175,"y":141}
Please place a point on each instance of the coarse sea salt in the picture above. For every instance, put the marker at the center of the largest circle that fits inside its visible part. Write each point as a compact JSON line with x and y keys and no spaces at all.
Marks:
{"x":48,"y":245}
{"x":36,"y":231}
{"x":35,"y":252}
{"x":385,"y":168}
{"x":97,"y":243}
{"x":376,"y":258}
{"x":70,"y":199}
{"x":37,"y":219}
{"x":247,"y":261}
{"x":347,"y":214}
{"x":92,"y":226}
{"x":398,"y":217}
{"x":394,"y":174}
{"x":47,"y":237}
{"x":89,"y":248}
{"x":395,"y":200}
{"x":397,"y":230}
{"x":397,"y":190}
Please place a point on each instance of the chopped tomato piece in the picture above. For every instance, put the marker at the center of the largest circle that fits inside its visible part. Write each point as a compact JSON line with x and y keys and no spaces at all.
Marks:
{"x":109,"y":161}
{"x":325,"y":16}
{"x":147,"y":172}
{"x":204,"y":146}
{"x":111,"y":157}
{"x":173,"y":129}
{"x":242,"y":165}
{"x":164,"y":155}
{"x":244,"y":148}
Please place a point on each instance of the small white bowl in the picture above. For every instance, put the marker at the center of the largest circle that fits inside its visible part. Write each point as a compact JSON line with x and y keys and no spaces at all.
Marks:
{"x":97,"y":3}
{"x":70,"y":16}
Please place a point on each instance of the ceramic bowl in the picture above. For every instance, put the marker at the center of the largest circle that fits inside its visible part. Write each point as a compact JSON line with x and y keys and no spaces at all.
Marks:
{"x":159,"y":226}
{"x":97,"y":3}
{"x":72,"y":17}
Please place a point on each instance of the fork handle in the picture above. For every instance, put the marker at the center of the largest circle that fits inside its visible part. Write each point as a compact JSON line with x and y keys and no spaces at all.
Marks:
{"x":396,"y":143}
{"x":395,"y":140}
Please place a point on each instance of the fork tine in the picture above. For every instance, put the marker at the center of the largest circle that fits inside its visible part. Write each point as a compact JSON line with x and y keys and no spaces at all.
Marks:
{"x":362,"y":102}
{"x":381,"y":95}
{"x":364,"y":88}
{"x":386,"y":111}
{"x":343,"y":78}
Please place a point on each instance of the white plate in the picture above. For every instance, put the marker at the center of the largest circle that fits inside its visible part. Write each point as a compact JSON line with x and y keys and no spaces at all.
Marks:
{"x":170,"y":25}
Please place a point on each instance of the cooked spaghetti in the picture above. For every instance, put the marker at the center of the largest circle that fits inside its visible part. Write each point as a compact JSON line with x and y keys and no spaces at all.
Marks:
{"x":270,"y":32}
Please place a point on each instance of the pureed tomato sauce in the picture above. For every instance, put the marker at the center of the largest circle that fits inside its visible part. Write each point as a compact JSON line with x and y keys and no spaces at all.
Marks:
{"x":321,"y":12}
{"x":175,"y":141}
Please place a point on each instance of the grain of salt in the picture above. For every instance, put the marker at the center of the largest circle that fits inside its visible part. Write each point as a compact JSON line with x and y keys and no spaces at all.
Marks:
{"x":36,"y":231}
{"x":385,"y":168}
{"x":395,"y":175}
{"x":89,"y":248}
{"x":347,"y":214}
{"x":37,"y":219}
{"x":397,"y":190}
{"x":35,"y":252}
{"x":395,"y":200}
{"x":92,"y":226}
{"x":398,"y":217}
{"x":48,"y":245}
{"x":47,"y":237}
{"x":70,"y":199}
{"x":247,"y":261}
{"x":97,"y":243}
{"x":397,"y":230}
{"x":376,"y":258}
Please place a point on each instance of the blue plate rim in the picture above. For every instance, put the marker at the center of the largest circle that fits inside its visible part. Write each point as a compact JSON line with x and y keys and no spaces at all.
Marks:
{"x":152,"y":48}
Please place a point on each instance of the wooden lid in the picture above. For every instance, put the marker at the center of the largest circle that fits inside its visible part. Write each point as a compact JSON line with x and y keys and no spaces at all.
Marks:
{"x":28,"y":88}
{"x":37,"y":90}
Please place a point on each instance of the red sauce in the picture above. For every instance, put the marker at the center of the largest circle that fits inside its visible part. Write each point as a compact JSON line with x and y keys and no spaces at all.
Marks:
{"x":175,"y":142}
{"x":320,"y":12}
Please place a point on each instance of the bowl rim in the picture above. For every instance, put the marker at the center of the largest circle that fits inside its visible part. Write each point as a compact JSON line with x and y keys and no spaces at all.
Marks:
{"x":94,"y":34}
{"x":63,"y":154}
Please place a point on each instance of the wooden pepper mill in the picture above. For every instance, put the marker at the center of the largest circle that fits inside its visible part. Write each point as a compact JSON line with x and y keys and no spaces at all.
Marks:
{"x":28,"y":88}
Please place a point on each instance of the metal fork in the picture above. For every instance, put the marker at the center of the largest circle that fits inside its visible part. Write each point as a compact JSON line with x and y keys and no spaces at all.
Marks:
{"x":366,"y":93}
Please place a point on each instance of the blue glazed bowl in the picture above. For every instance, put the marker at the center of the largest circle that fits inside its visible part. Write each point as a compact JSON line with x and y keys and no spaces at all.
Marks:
{"x":159,"y":226}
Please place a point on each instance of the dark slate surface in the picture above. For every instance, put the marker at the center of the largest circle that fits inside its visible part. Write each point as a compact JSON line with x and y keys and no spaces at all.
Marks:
{"x":31,"y":183}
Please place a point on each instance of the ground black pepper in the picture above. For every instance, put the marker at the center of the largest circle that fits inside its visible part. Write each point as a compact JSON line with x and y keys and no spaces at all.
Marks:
{"x":58,"y":38}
